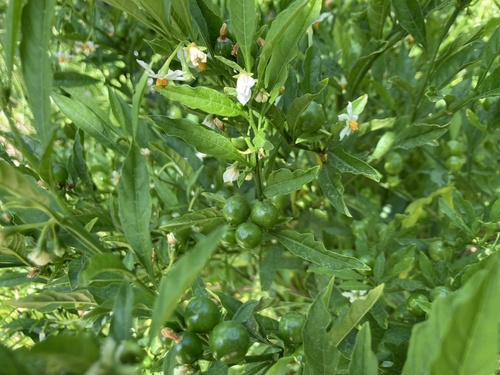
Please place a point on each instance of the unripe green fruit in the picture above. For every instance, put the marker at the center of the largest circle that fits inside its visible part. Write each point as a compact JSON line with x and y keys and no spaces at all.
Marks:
{"x":248,"y":235}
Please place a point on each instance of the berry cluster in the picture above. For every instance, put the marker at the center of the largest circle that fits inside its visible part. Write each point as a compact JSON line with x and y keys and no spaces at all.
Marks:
{"x":247,"y":233}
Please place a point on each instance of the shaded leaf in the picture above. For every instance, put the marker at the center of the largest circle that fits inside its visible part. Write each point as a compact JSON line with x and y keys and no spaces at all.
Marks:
{"x":121,"y":320}
{"x":73,"y":79}
{"x":99,"y":264}
{"x":409,"y":15}
{"x":36,"y":26}
{"x":48,"y":300}
{"x":202,"y":218}
{"x":346,"y":163}
{"x":305,"y":246}
{"x":321,"y":354}
{"x":284,"y":181}
{"x":378,"y":10}
{"x":202,"y":138}
{"x":419,"y":134}
{"x":329,"y":179}
{"x":363,"y":360}
{"x":180,"y":277}
{"x":357,"y":311}
{"x":135,"y":206}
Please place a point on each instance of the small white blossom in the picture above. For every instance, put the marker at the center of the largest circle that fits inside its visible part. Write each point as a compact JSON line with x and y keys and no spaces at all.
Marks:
{"x":87,"y":46}
{"x":351,"y":121}
{"x":197,"y":58}
{"x":39,"y":258}
{"x":162,"y":79}
{"x":62,"y":57}
{"x":172,"y":241}
{"x":244,"y":85}
{"x":231,"y":174}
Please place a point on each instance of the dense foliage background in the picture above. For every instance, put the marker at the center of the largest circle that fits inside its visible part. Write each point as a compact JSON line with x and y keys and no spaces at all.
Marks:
{"x":324,"y":173}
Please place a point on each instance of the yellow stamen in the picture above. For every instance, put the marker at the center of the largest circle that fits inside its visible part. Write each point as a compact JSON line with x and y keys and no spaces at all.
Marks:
{"x":353,"y":125}
{"x":202,"y":65}
{"x":61,"y":59}
{"x":161,"y":82}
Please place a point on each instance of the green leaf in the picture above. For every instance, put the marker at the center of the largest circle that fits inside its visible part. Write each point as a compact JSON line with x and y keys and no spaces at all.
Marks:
{"x":356,"y":312}
{"x":20,"y":185}
{"x":203,"y":218}
{"x":490,"y":86}
{"x":280,"y":367}
{"x":329,"y":179}
{"x":300,"y":104}
{"x":490,"y":53}
{"x":284,"y":181}
{"x":457,"y":61}
{"x":181,"y":165}
{"x":202,"y":138}
{"x":305,"y":246}
{"x":384,"y":145}
{"x":36,"y":26}
{"x":347,"y":163}
{"x":11,"y":25}
{"x":135,"y":206}
{"x":243,"y":18}
{"x":12,"y":363}
{"x":419,"y":134}
{"x":66,"y":353}
{"x":363,"y":360}
{"x":321,"y":354}
{"x":85,"y":119}
{"x":409,"y":15}
{"x":461,"y":335}
{"x":98,"y":264}
{"x":494,"y":214}
{"x":378,"y":10}
{"x":49,"y":300}
{"x":179,"y":278}
{"x":282,"y":42}
{"x":72,"y":79}
{"x":121,"y":320}
{"x":455,"y":218}
{"x":204,"y":98}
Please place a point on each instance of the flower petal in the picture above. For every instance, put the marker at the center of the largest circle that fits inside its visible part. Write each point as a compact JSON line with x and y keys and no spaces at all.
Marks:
{"x":147,"y":68}
{"x":345,"y":132}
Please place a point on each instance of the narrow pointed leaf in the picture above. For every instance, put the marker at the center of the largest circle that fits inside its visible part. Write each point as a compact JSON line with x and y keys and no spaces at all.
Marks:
{"x":409,"y":15}
{"x":243,"y":17}
{"x":363,"y":360}
{"x":418,"y":135}
{"x":182,"y":275}
{"x":284,"y":181}
{"x":347,"y":163}
{"x":121,"y":320}
{"x":330,"y":181}
{"x":305,"y":246}
{"x":98,"y":264}
{"x":36,"y":26}
{"x":203,"y":218}
{"x":203,"y":98}
{"x":12,"y":21}
{"x":135,"y":206}
{"x":202,"y":138}
{"x":357,"y":311}
{"x":378,"y":10}
{"x":321,"y":354}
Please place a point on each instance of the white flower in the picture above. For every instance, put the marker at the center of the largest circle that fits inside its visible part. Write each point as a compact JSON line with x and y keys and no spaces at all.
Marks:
{"x":231,"y":174}
{"x":244,"y":84}
{"x":39,"y":258}
{"x":172,"y":241}
{"x":162,"y":79}
{"x":62,"y":57}
{"x":351,"y":121}
{"x":197,"y":58}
